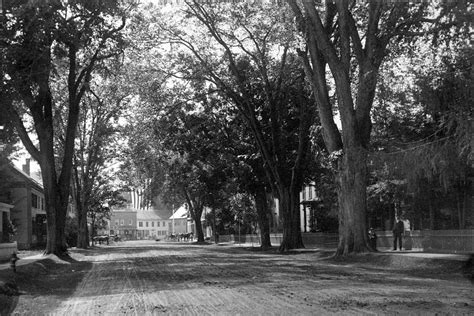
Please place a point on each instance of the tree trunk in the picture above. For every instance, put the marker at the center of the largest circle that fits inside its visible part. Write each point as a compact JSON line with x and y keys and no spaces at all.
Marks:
{"x":82,"y":231}
{"x":351,"y":180}
{"x":199,"y":231}
{"x":263,"y":214}
{"x":214,"y":226}
{"x":196,"y":215}
{"x":81,"y":212}
{"x":56,"y":200}
{"x":288,"y":202}
{"x":93,"y":233}
{"x":432,"y":214}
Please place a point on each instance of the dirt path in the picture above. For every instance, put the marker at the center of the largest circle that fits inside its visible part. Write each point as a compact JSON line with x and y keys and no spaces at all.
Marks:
{"x":138,"y":278}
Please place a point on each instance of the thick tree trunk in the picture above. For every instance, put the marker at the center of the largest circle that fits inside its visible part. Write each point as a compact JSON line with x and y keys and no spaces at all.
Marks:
{"x":352,"y":180}
{"x":56,"y":220}
{"x":288,"y":202}
{"x":263,"y":214}
{"x":196,"y":214}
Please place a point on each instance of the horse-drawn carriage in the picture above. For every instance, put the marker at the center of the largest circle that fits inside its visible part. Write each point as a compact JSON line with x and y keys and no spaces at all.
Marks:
{"x":105,"y":239}
{"x":180,"y":237}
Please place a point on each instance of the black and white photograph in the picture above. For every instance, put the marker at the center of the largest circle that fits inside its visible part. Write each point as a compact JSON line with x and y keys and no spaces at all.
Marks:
{"x":236,"y":157}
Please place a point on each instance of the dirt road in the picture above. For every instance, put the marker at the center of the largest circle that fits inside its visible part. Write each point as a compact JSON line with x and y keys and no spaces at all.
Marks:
{"x":139,"y":278}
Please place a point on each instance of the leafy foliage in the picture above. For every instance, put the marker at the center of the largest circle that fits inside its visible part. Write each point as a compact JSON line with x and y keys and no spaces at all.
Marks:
{"x":49,"y":46}
{"x":422,"y":123}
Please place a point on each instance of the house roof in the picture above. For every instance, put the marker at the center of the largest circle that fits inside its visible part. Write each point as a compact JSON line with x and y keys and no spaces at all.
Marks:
{"x":149,"y":215}
{"x":123,"y":210}
{"x":180,"y":213}
{"x":20,"y":175}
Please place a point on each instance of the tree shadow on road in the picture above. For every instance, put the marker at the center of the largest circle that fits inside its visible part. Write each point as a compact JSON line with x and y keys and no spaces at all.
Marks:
{"x":42,"y":282}
{"x":182,"y":264}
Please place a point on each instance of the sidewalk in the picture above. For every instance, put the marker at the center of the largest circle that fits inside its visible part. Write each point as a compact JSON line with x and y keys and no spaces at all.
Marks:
{"x":415,"y":252}
{"x":419,"y":253}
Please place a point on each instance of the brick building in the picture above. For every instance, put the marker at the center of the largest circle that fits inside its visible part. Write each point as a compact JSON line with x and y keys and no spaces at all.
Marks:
{"x":123,"y":222}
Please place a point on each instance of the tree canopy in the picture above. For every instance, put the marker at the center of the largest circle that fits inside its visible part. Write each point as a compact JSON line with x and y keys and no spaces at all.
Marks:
{"x":228,"y":106}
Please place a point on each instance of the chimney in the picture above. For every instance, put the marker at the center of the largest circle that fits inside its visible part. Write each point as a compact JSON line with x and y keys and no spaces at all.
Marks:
{"x":26,"y":166}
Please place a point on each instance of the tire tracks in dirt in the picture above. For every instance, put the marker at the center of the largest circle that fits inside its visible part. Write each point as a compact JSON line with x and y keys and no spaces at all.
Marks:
{"x":175,"y":279}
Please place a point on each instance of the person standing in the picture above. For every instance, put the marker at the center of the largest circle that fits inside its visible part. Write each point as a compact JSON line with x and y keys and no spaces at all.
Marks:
{"x":373,"y":238}
{"x":398,"y":230}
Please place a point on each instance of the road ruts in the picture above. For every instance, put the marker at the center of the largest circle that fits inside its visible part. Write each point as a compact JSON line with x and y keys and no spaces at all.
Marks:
{"x":139,"y":278}
{"x":184,"y":281}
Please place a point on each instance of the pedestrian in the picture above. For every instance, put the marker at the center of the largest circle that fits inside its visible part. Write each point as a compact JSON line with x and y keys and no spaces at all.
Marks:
{"x":398,"y":230}
{"x":373,"y":239}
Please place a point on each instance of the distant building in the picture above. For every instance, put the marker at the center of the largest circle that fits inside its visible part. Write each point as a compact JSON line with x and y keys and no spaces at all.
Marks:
{"x":182,"y":222}
{"x":179,"y":221}
{"x":151,"y":225}
{"x":138,"y":218}
{"x":123,"y":222}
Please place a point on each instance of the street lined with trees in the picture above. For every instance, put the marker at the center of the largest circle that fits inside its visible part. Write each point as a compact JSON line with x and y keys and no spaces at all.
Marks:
{"x":229,"y":106}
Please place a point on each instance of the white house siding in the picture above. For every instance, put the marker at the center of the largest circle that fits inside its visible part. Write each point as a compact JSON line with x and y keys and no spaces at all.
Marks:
{"x":150,"y":225}
{"x":149,"y":228}
{"x":307,"y":194}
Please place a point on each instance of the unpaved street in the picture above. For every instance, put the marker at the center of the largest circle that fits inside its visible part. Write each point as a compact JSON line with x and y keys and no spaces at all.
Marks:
{"x":151,"y":277}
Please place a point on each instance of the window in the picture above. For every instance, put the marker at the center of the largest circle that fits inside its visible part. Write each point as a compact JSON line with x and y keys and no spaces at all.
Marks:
{"x":310,"y":193}
{"x":158,"y":224}
{"x":146,"y":224}
{"x":34,"y":200}
{"x":152,"y":224}
{"x":140,"y":224}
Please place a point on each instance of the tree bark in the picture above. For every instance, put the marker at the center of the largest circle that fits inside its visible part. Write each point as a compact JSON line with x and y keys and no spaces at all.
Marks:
{"x":82,"y":230}
{"x":196,"y":214}
{"x":263,"y":213}
{"x":81,"y":211}
{"x":56,"y":204}
{"x":288,"y":202}
{"x":351,"y":180}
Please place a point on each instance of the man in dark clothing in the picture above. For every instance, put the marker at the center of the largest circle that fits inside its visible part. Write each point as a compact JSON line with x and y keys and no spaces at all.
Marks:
{"x":398,"y":230}
{"x":373,"y":239}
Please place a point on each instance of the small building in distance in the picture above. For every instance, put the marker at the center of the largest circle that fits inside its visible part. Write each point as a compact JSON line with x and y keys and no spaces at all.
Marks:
{"x":151,"y":225}
{"x":123,"y":223}
{"x":138,"y":218}
{"x":180,"y":221}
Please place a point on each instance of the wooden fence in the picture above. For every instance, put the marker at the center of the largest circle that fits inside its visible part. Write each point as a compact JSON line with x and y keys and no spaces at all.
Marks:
{"x":440,"y":241}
